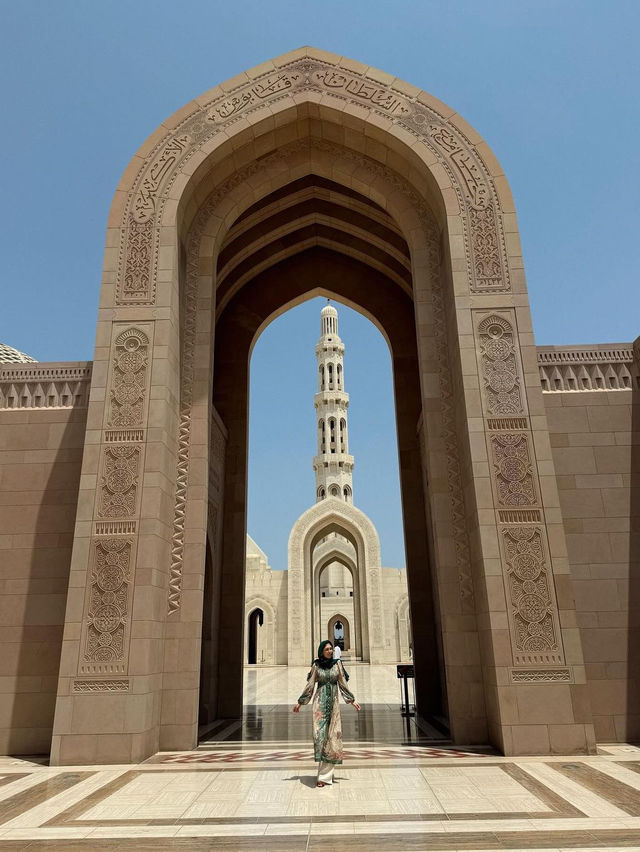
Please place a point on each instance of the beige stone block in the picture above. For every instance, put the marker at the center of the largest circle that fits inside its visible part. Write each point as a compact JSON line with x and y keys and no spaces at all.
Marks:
{"x":617,"y":502}
{"x":612,"y":459}
{"x":568,"y":739}
{"x":529,"y":739}
{"x":596,"y":595}
{"x":604,"y":645}
{"x":612,"y":418}
{"x":582,"y":503}
{"x":574,"y":460}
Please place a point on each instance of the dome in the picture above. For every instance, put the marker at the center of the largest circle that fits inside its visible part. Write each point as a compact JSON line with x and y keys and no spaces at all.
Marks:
{"x":254,"y":550}
{"x":328,"y":311}
{"x":10,"y":355}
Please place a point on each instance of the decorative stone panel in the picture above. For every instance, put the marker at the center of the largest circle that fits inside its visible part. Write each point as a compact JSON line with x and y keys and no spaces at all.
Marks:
{"x":139,"y":257}
{"x":533,"y":617}
{"x":532,"y":608}
{"x":541,"y":676}
{"x":107,"y":607}
{"x":129,"y":379}
{"x":101,"y":685}
{"x":513,"y":469}
{"x":119,"y":481}
{"x":501,"y":378}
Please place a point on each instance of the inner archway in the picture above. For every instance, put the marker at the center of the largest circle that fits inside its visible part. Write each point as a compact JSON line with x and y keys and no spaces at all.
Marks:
{"x":339,"y":632}
{"x":256,"y":620}
{"x":382,"y":292}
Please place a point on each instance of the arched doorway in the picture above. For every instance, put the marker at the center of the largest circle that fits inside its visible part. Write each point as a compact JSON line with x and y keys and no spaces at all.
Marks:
{"x":339,"y":632}
{"x":256,"y":620}
{"x":314,"y":177}
{"x":336,"y":549}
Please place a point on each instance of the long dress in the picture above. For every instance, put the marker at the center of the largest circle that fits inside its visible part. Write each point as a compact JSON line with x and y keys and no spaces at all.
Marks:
{"x":327,"y":726}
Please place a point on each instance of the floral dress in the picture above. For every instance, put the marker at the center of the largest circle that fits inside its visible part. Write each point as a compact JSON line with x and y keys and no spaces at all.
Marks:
{"x":327,"y":726}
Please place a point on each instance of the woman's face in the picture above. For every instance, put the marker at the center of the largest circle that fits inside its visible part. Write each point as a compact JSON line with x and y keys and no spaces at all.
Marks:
{"x":327,"y":651}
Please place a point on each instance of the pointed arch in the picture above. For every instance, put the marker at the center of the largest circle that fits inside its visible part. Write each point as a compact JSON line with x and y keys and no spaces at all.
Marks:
{"x":421,"y":231}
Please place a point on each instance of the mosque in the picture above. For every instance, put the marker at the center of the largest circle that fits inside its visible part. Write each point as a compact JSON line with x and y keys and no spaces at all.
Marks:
{"x":347,"y":585}
{"x":130,"y":603}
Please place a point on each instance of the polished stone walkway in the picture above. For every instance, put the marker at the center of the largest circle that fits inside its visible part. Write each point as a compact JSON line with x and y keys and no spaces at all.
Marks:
{"x":242,"y":791}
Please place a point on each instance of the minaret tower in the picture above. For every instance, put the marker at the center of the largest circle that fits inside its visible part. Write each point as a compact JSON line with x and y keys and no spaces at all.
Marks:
{"x":333,"y":464}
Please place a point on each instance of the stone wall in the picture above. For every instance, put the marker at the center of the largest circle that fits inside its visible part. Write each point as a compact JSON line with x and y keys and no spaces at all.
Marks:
{"x":593,"y":413}
{"x":592,"y":401}
{"x":42,"y":426}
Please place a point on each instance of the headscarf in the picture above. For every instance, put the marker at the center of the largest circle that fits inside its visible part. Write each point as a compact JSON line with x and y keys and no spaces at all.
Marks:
{"x":322,"y":662}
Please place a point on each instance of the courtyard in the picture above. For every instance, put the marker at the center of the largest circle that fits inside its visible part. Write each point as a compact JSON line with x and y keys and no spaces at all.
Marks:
{"x":251,"y":785}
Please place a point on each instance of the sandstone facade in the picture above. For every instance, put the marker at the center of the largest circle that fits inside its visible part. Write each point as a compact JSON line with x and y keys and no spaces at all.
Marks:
{"x":315,"y":174}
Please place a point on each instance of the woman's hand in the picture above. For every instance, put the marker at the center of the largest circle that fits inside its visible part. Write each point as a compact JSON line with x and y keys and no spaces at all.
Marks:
{"x":355,"y":704}
{"x":296,"y":709}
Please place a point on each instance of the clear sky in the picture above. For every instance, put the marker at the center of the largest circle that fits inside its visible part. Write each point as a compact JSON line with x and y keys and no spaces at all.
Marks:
{"x":552,"y":85}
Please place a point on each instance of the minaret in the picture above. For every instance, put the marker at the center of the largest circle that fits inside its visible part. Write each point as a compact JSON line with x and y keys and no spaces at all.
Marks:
{"x":333,"y":464}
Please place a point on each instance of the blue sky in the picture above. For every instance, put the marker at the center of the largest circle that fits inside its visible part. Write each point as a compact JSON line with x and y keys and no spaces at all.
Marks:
{"x":550,"y":84}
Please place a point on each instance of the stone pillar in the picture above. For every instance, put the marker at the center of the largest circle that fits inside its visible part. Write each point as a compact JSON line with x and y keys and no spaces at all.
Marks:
{"x":108,"y":706}
{"x":526,"y":607}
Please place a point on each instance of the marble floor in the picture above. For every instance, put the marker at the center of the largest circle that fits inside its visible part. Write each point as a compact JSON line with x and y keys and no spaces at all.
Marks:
{"x":239,"y":791}
{"x":271,"y":691}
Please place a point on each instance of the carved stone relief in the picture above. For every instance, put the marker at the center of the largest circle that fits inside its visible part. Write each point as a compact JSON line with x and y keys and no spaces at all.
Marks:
{"x":101,"y":685}
{"x":513,"y":468}
{"x":541,"y":676}
{"x":499,"y":367}
{"x":31,"y":385}
{"x":137,"y":286}
{"x":107,"y":606}
{"x":527,"y":573}
{"x":119,"y":485}
{"x":483,"y":235}
{"x":532,"y":608}
{"x":128,"y":379}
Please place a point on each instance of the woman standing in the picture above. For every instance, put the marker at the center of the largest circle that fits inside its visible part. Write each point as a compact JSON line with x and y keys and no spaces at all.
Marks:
{"x":329,"y":676}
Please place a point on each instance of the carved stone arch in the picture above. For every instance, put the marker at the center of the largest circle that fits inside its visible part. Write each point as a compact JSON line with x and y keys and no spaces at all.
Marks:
{"x":441,"y":188}
{"x":338,"y":551}
{"x":440,"y":137}
{"x":270,"y":627}
{"x":347,"y":630}
{"x":308,"y":529}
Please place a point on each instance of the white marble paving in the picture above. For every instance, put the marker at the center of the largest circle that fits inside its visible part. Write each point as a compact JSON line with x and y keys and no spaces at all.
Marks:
{"x":589,"y":803}
{"x":265,"y":685}
{"x":283,"y":800}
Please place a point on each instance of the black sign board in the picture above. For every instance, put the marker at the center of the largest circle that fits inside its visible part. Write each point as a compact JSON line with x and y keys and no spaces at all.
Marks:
{"x":405,"y":671}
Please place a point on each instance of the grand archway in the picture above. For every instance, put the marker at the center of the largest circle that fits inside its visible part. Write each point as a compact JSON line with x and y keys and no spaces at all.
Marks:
{"x":306,"y":176}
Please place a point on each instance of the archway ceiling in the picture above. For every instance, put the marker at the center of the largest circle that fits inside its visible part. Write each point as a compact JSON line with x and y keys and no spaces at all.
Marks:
{"x":312,"y":211}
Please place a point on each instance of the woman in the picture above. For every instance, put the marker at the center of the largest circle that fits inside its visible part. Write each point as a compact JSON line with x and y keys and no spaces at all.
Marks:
{"x":328,"y":675}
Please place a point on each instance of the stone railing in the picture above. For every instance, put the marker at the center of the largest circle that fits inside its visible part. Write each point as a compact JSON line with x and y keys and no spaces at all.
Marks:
{"x":44,"y":385}
{"x":598,"y":367}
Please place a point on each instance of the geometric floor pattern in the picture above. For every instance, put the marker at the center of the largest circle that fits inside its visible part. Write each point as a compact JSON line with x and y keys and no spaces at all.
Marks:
{"x":386,"y":803}
{"x":251,"y":786}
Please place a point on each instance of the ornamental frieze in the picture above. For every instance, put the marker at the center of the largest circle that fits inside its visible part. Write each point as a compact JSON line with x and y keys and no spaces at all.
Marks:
{"x":483,"y":236}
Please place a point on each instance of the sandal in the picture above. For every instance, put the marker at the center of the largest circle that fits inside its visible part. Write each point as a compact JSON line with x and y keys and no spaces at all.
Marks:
{"x":320,"y":784}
